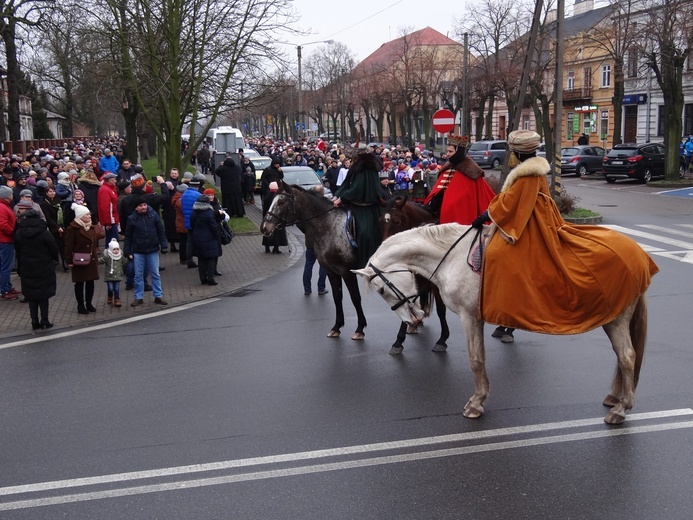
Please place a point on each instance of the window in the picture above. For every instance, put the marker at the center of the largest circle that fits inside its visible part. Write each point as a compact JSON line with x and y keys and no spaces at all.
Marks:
{"x":660,"y":121}
{"x":525,"y":122}
{"x":604,"y":127}
{"x":571,"y":80}
{"x":569,"y":126}
{"x":632,"y":63}
{"x":606,"y":75}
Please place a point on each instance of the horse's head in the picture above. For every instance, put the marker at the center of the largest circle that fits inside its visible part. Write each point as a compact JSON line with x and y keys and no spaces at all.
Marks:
{"x":281,"y":212}
{"x":393,"y":219}
{"x":399,"y":288}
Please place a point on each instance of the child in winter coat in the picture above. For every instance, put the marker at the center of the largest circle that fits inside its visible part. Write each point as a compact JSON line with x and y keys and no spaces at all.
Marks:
{"x":114,"y":262}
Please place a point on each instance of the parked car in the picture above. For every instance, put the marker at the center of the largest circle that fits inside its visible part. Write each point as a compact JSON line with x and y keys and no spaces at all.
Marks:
{"x":259,"y":161}
{"x":488,"y":153}
{"x":303,"y":176}
{"x":634,"y":161}
{"x":582,"y":159}
{"x":541,"y":151}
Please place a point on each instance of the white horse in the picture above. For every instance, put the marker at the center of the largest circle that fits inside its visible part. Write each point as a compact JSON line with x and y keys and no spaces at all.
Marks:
{"x":437,"y":254}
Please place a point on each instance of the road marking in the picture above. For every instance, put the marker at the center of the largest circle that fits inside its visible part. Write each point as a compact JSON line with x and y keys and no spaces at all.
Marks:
{"x":108,"y":325}
{"x":334,"y":466}
{"x":670,"y":230}
{"x":651,"y":236}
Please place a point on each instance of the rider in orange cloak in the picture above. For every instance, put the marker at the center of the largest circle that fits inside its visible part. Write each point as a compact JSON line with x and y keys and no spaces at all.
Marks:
{"x":543,"y":274}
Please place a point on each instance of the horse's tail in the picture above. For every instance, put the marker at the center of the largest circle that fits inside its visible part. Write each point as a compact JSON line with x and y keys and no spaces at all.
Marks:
{"x":638,"y":334}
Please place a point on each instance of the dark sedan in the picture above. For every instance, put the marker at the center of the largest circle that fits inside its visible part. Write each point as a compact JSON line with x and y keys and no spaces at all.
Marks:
{"x":581,"y":160}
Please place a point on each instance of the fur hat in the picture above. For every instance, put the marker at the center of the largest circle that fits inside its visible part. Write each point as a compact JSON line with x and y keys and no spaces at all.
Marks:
{"x":80,"y":210}
{"x":524,"y":141}
{"x":137,"y":181}
{"x":458,"y":140}
{"x":181,"y":187}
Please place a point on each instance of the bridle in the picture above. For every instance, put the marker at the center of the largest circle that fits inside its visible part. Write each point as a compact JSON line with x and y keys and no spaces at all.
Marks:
{"x":410,"y":300}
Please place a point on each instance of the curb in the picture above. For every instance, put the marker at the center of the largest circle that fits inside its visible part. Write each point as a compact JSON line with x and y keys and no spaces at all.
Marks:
{"x":584,"y":220}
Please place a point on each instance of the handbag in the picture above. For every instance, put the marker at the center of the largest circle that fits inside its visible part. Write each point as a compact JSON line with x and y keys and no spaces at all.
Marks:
{"x":100,"y":231}
{"x":225,"y":233}
{"x":81,"y":258}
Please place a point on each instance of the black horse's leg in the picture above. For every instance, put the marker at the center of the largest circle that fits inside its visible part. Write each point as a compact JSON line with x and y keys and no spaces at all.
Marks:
{"x":441,"y":345}
{"x":336,"y":284}
{"x":352,"y":284}
{"x":398,"y":346}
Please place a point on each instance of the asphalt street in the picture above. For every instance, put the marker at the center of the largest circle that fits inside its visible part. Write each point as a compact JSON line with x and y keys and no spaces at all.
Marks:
{"x":239,"y":406}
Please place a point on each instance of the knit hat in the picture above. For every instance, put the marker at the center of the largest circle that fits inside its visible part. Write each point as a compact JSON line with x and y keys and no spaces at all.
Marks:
{"x":26,"y":193}
{"x":181,"y":187}
{"x":25,"y":204}
{"x":210,"y":192}
{"x":273,"y":186}
{"x":112,"y":246}
{"x":78,"y":194}
{"x":80,"y":210}
{"x":139,"y":200}
{"x":6,"y":192}
{"x":137,"y":181}
{"x":63,"y":176}
{"x":524,"y":141}
{"x":187,"y":175}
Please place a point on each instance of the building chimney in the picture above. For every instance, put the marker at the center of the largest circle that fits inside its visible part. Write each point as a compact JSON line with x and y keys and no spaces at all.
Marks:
{"x":582,"y":6}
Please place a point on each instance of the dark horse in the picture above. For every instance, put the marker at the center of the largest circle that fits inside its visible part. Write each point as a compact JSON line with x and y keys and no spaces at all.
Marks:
{"x":400,"y":215}
{"x":326,"y":226}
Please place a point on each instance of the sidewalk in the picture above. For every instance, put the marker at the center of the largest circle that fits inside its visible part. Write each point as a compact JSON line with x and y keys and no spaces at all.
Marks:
{"x":243,"y":263}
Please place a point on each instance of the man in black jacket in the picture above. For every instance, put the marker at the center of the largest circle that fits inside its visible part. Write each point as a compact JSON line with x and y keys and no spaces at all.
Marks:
{"x":231,"y":187}
{"x":144,"y":236}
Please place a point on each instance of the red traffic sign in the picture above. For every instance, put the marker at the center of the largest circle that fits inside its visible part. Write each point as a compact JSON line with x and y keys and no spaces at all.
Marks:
{"x":443,"y":121}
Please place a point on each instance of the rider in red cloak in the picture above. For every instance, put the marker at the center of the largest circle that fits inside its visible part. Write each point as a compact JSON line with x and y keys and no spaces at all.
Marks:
{"x":461,"y":193}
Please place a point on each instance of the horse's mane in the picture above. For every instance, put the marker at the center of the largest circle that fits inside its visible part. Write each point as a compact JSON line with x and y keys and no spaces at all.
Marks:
{"x":439,"y":235}
{"x":319,"y":199}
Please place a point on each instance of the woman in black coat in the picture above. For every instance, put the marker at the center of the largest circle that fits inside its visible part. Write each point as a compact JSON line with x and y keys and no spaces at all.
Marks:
{"x":206,"y":241}
{"x":52,"y":210}
{"x":278,"y":238}
{"x":231,"y":187}
{"x":36,"y":252}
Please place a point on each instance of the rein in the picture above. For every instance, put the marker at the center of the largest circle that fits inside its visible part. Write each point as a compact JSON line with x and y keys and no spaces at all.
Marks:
{"x":411,"y":299}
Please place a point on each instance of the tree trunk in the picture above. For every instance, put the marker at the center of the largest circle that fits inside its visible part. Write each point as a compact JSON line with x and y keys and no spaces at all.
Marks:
{"x":130,"y":113}
{"x":9,"y":30}
{"x":489,"y":118}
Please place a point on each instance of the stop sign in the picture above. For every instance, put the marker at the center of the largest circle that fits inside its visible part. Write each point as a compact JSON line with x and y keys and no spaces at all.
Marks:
{"x":443,"y":121}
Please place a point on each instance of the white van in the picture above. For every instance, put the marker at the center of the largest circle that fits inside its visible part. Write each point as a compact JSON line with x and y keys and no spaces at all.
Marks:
{"x":223,"y":140}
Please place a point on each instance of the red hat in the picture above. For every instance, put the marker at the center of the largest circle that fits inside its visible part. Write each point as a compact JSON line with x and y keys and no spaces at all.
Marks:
{"x":209,"y":191}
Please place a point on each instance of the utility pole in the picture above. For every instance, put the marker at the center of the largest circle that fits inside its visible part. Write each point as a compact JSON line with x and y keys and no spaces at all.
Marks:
{"x":465,"y":125}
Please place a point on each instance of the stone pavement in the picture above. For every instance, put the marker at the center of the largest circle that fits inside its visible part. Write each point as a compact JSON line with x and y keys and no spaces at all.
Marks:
{"x":243,"y":263}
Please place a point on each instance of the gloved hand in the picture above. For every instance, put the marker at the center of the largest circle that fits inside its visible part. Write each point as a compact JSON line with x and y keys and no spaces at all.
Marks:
{"x":164,"y":251}
{"x":479,"y":221}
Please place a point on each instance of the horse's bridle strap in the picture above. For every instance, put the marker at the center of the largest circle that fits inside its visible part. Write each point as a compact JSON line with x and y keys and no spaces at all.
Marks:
{"x":399,"y":294}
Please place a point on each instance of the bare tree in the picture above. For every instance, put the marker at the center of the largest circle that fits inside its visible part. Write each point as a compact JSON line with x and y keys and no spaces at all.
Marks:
{"x":15,"y":14}
{"x":666,"y":51}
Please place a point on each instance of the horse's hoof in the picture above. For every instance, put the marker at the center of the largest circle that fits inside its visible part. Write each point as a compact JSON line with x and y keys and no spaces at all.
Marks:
{"x":615,"y":417}
{"x":412,"y":329}
{"x":439,"y":348}
{"x":396,"y":351}
{"x":333,"y":334}
{"x":358,"y":336}
{"x":473,"y":412}
{"x":611,"y":401}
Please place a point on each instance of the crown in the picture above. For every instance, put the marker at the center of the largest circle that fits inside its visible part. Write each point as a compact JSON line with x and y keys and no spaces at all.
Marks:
{"x":458,"y":140}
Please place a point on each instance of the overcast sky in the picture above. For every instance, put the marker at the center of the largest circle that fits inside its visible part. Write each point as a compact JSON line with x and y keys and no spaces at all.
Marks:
{"x":364,"y":25}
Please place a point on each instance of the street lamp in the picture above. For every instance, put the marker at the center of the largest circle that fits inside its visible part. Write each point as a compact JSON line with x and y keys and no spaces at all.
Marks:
{"x":301,"y":115}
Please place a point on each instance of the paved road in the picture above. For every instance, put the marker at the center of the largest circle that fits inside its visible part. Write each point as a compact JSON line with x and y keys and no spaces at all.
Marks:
{"x":240,"y":407}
